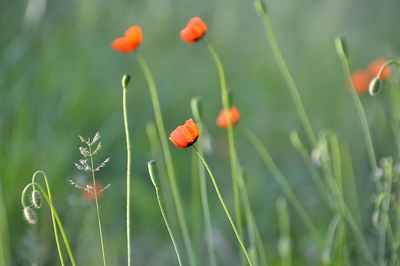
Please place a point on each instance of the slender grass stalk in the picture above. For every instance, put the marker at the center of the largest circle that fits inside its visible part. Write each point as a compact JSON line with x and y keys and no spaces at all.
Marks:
{"x":226,"y":103}
{"x":43,"y":174}
{"x":154,"y":177}
{"x":125,"y":81}
{"x":276,"y":52}
{"x":254,"y":233}
{"x":4,"y":239}
{"x":281,"y":180}
{"x":224,"y":206}
{"x":92,"y":169}
{"x":196,"y":225}
{"x":168,"y":158}
{"x":53,"y":211}
{"x":284,"y":245}
{"x":198,"y":116}
{"x":363,"y":119}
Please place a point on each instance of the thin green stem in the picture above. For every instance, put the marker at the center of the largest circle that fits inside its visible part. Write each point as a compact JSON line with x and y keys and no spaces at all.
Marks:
{"x":363,"y":120}
{"x":224,"y":206}
{"x":153,"y":172}
{"x":284,"y":226}
{"x":52,"y":214}
{"x":387,"y":64}
{"x":231,"y":138}
{"x":196,"y":111}
{"x":294,"y":91}
{"x":128,"y":169}
{"x":97,"y":206}
{"x":5,"y":239}
{"x":279,"y":177}
{"x":167,"y":157}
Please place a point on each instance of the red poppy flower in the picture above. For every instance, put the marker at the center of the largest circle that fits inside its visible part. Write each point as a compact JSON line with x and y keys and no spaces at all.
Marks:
{"x":361,"y":80}
{"x":222,"y":119}
{"x":194,"y":30}
{"x":130,"y":41}
{"x":375,"y":67}
{"x":88,"y":192}
{"x":185,"y":135}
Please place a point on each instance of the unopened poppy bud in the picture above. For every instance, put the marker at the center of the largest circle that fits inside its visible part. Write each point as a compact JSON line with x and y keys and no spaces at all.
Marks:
{"x":152,"y":167}
{"x":36,"y":198}
{"x":261,"y":6}
{"x":30,"y":215}
{"x":375,"y":86}
{"x":341,"y":47}
{"x":125,"y":80}
{"x":295,"y":139}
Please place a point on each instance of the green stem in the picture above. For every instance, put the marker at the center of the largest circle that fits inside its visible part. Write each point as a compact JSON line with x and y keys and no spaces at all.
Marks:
{"x":279,"y":177}
{"x":128,"y":170}
{"x":196,"y":111}
{"x":154,"y":176}
{"x":284,"y":226}
{"x":224,"y":205}
{"x":294,"y":91}
{"x":97,"y":206}
{"x":231,"y":138}
{"x":52,"y":214}
{"x":5,"y":239}
{"x":167,"y":157}
{"x":363,"y":120}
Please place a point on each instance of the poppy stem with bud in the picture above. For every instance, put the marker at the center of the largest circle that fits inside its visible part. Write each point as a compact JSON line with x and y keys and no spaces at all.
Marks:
{"x":125,"y":81}
{"x":153,"y":172}
{"x":376,"y":83}
{"x":239,"y":238}
{"x":167,"y":157}
{"x":260,"y":7}
{"x":57,"y":225}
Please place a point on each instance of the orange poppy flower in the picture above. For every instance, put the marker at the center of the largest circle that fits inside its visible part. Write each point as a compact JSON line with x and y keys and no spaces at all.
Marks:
{"x":375,"y":67}
{"x":361,"y":80}
{"x":88,"y":192}
{"x":185,"y":135}
{"x":222,"y":119}
{"x":195,"y":29}
{"x":130,"y":41}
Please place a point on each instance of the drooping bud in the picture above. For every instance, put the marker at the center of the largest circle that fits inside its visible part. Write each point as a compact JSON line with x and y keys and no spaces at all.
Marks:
{"x":197,"y":108}
{"x":341,"y":47}
{"x":30,"y":215}
{"x":151,"y":165}
{"x":125,"y":80}
{"x":36,"y":199}
{"x":375,"y":86}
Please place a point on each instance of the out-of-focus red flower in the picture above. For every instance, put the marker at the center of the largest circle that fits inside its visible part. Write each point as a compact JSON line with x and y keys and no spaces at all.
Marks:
{"x":88,"y":192}
{"x":185,"y":135}
{"x":222,"y":119}
{"x":375,"y":67}
{"x":130,"y":41}
{"x":361,"y":80}
{"x":195,"y":29}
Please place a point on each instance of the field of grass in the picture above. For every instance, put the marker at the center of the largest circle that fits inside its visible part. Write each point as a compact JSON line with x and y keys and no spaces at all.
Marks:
{"x":60,"y":78}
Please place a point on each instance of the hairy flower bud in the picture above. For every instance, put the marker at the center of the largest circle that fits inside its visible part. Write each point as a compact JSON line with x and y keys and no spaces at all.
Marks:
{"x":30,"y":215}
{"x":375,"y":86}
{"x":36,"y":199}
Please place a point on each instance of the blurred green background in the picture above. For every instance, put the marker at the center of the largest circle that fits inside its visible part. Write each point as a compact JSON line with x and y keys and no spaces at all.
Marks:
{"x":59,"y":78}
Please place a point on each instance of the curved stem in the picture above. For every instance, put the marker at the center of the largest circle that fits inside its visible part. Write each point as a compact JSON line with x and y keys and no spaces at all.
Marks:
{"x":224,"y":205}
{"x":294,"y":91}
{"x":97,"y":207}
{"x":167,"y":157}
{"x":52,"y":214}
{"x":128,"y":173}
{"x":387,"y":64}
{"x":231,"y":138}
